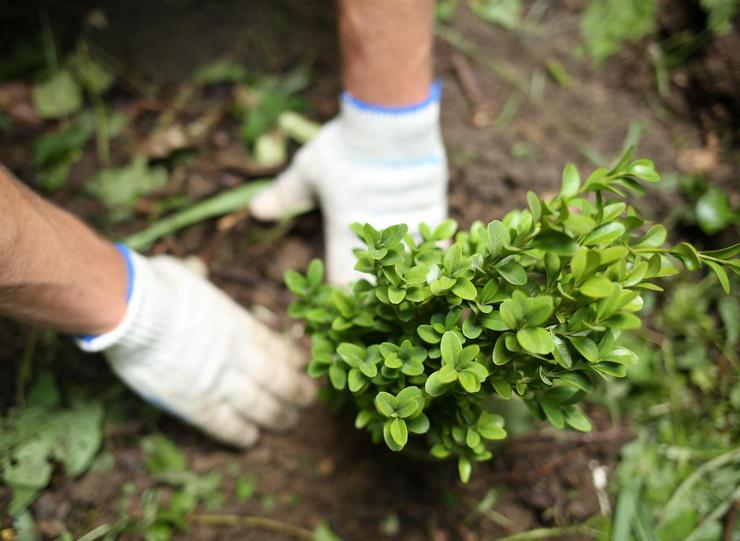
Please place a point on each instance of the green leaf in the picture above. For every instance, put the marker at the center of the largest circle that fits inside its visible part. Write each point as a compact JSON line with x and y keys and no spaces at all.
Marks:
{"x":315,"y":272}
{"x":499,"y":236}
{"x":535,"y":340}
{"x":392,"y":236}
{"x":513,"y":273}
{"x":571,"y":181}
{"x":604,"y":234}
{"x":451,"y":347}
{"x":596,"y":287}
{"x":464,"y":289}
{"x":502,"y":388}
{"x":396,"y":295}
{"x":337,"y":376}
{"x":561,"y":352}
{"x":469,"y":381}
{"x":501,"y":355}
{"x":356,"y":380}
{"x":390,"y":441}
{"x":575,"y":418}
{"x":386,"y":403}
{"x":464,"y":468}
{"x":537,"y":310}
{"x":418,"y":425}
{"x":438,"y":382}
{"x":352,"y":354}
{"x":58,"y":96}
{"x":577,"y":379}
{"x":654,"y":238}
{"x":720,"y":274}
{"x":535,"y":206}
{"x":585,"y":347}
{"x":553,"y":413}
{"x":555,"y":242}
{"x":491,"y":426}
{"x":295,"y":282}
{"x":472,"y":438}
{"x":442,"y":284}
{"x":427,"y":333}
{"x":445,"y":230}
{"x":399,"y":432}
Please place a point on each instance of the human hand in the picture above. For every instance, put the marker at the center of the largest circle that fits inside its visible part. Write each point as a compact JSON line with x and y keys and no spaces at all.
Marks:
{"x":371,"y":164}
{"x":188,"y":348}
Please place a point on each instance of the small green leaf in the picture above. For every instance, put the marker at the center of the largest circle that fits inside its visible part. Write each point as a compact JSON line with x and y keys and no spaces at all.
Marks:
{"x":464,"y":289}
{"x":392,"y":235}
{"x":561,"y":352}
{"x":502,"y":388}
{"x":585,"y":347}
{"x":654,"y":238}
{"x":445,"y":230}
{"x":427,"y":333}
{"x":418,"y":425}
{"x":513,"y":273}
{"x":464,"y":468}
{"x":386,"y":404}
{"x":604,"y":234}
{"x":553,"y":413}
{"x":596,"y":287}
{"x":337,"y":376}
{"x":399,"y":432}
{"x":571,"y":182}
{"x":499,"y":236}
{"x":451,"y":347}
{"x":720,"y":274}
{"x":356,"y":380}
{"x":575,"y":418}
{"x":535,"y":340}
{"x":555,"y":242}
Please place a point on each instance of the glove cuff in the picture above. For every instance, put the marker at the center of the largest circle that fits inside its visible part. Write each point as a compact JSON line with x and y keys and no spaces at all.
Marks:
{"x":142,"y":321}
{"x":406,"y":135}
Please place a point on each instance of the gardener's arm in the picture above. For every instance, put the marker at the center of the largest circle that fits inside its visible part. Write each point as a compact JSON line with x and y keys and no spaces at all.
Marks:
{"x":381,"y":160}
{"x":166,"y":331}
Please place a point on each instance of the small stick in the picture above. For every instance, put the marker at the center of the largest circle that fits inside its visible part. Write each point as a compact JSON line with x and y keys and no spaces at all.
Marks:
{"x":250,"y":521}
{"x":482,"y":110}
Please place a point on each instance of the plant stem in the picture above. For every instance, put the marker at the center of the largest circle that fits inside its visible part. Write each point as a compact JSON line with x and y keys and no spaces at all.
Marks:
{"x":550,"y":533}
{"x":223,"y":203}
{"x":250,"y":521}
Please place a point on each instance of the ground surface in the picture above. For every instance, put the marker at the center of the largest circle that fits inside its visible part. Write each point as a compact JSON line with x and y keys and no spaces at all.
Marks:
{"x":324,"y":469}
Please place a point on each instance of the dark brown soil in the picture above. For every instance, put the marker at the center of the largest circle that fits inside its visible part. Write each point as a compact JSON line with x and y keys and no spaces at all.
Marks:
{"x":324,"y":469}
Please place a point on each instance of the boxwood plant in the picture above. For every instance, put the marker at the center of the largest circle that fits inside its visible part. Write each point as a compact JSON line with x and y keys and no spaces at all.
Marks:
{"x":530,"y":306}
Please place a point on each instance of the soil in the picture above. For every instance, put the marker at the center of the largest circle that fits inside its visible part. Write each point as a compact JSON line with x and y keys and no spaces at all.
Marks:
{"x":324,"y":469}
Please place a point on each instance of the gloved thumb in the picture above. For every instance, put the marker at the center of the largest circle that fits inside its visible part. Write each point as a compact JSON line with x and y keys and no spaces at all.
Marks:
{"x":290,"y":193}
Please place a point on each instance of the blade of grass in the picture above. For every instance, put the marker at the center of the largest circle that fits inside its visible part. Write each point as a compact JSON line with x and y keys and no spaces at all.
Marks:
{"x":682,"y":491}
{"x":218,"y":205}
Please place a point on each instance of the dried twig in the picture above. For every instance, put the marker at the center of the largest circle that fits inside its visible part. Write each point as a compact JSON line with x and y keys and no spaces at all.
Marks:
{"x":481,"y":109}
{"x":250,"y":521}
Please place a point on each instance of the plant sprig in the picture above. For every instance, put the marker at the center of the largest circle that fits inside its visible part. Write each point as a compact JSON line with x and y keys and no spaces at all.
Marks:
{"x":530,"y":306}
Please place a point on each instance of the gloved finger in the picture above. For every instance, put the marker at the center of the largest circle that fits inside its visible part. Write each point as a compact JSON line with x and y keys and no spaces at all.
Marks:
{"x":259,"y":406}
{"x":224,"y":423}
{"x":270,"y":370}
{"x":289,"y":193}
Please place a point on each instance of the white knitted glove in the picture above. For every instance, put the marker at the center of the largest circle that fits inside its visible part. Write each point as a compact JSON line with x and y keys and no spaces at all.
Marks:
{"x":188,"y":348}
{"x":371,"y":164}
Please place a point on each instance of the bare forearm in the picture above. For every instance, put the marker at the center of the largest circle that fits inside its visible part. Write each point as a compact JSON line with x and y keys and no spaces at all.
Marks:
{"x":387,"y":49}
{"x":54,"y":270}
